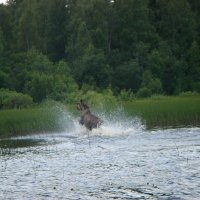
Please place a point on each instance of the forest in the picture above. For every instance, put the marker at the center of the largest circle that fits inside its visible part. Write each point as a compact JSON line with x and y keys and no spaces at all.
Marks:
{"x":61,"y":49}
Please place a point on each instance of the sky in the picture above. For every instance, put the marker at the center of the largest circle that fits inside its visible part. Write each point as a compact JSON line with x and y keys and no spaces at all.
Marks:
{"x":3,"y":1}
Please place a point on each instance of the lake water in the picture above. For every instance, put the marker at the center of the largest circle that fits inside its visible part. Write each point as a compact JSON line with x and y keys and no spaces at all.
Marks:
{"x":122,"y":160}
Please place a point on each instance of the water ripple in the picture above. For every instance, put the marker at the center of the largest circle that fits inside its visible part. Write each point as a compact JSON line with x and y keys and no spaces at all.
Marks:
{"x":141,"y":164}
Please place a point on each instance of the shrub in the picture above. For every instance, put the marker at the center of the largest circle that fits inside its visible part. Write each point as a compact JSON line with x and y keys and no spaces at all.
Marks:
{"x":40,"y":86}
{"x":155,"y":86}
{"x":11,"y":99}
{"x":73,"y":97}
{"x":151,"y":83}
{"x":144,"y":92}
{"x":188,"y":94}
{"x":126,"y":95}
{"x":95,"y":98}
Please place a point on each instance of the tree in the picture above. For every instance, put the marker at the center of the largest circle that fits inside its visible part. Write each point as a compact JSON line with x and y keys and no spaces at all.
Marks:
{"x":3,"y":79}
{"x":193,"y":71}
{"x":27,"y":27}
{"x":2,"y":43}
{"x":153,"y":84}
{"x":64,"y":86}
{"x":92,"y":68}
{"x":175,"y":23}
{"x":40,"y":86}
{"x":88,"y":22}
{"x":55,"y":22}
{"x":6,"y":34}
{"x":141,"y":46}
{"x":87,"y":43}
{"x":156,"y":63}
{"x":134,"y":35}
{"x":171,"y":76}
{"x":195,"y":5}
{"x":128,"y":76}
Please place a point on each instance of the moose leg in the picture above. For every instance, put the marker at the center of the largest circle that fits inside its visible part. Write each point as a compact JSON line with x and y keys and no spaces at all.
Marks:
{"x":81,"y":121}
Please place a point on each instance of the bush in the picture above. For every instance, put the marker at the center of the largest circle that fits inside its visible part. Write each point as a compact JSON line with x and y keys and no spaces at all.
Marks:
{"x":155,"y":86}
{"x":126,"y":95}
{"x":151,"y":83}
{"x":95,"y":98}
{"x":144,"y":92}
{"x":12,"y":99}
{"x":40,"y":86}
{"x":188,"y":94}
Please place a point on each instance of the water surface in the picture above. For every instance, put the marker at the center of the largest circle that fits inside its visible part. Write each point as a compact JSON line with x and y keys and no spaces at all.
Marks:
{"x":121,"y":160}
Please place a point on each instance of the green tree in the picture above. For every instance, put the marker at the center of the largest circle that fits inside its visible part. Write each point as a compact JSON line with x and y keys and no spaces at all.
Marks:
{"x":2,"y":43}
{"x":156,"y":63}
{"x":64,"y":86}
{"x":145,"y":47}
{"x":6,"y":27}
{"x":128,"y":76}
{"x":39,"y":87}
{"x":171,"y":76}
{"x":153,"y":84}
{"x":55,"y":22}
{"x":134,"y":34}
{"x":22,"y":65}
{"x":193,"y":71}
{"x":175,"y":23}
{"x":88,"y":24}
{"x":134,"y":37}
{"x":38,"y":62}
{"x":27,"y":27}
{"x":92,"y":68}
{"x":3,"y":79}
{"x":195,"y":5}
{"x":18,"y":73}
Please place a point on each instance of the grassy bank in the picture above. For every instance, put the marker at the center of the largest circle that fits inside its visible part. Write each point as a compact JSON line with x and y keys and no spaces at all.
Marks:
{"x":28,"y":121}
{"x":166,"y":111}
{"x":155,"y":112}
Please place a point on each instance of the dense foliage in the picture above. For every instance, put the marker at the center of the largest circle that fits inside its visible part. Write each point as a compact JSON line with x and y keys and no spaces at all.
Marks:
{"x":59,"y":49}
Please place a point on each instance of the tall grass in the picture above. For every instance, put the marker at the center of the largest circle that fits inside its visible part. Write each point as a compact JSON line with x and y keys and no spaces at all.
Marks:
{"x":155,"y":112}
{"x":166,"y":111}
{"x":27,"y":121}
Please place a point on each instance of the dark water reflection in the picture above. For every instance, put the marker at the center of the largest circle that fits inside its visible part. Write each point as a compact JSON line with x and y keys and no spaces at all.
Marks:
{"x":161,"y":164}
{"x":19,"y":143}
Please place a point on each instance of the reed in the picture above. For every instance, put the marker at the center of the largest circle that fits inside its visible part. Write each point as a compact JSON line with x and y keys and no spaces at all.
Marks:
{"x":166,"y":111}
{"x":28,"y":121}
{"x":155,"y":112}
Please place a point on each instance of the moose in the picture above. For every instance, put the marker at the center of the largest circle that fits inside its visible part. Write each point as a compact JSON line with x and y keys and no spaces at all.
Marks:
{"x":87,"y":119}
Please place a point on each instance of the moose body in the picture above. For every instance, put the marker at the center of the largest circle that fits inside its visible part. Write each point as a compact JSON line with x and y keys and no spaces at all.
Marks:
{"x":87,"y":119}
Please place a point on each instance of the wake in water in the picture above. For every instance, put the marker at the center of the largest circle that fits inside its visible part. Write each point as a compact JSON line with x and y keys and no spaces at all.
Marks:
{"x":115,"y":123}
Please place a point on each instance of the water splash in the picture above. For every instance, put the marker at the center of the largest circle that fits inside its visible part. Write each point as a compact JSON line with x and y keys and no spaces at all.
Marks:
{"x":115,"y":123}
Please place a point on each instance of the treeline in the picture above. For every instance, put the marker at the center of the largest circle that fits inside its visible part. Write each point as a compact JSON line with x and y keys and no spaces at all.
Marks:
{"x":60,"y":48}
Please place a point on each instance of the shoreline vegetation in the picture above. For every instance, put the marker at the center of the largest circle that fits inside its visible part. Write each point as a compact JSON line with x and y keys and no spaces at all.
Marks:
{"x":109,"y":53}
{"x":166,"y":112}
{"x":18,"y":122}
{"x":155,"y":112}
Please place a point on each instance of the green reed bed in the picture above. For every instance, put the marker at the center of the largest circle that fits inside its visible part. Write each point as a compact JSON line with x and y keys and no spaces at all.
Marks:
{"x":28,"y":121}
{"x":166,"y":111}
{"x":154,"y":112}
